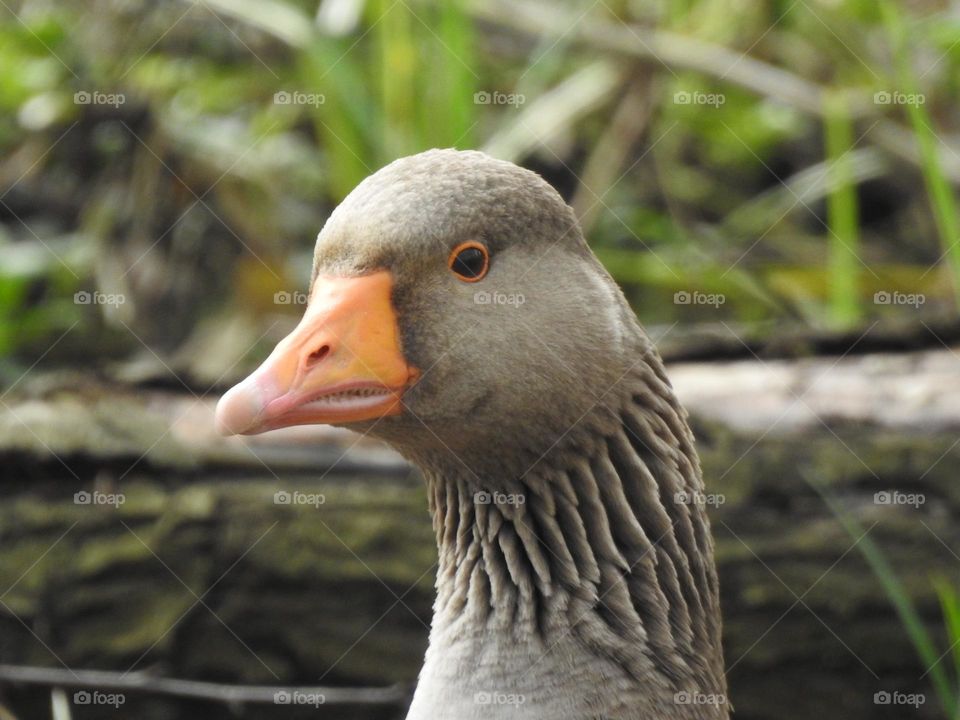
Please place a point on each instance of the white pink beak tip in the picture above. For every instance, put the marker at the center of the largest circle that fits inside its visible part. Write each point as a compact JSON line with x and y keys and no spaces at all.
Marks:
{"x":240,"y":408}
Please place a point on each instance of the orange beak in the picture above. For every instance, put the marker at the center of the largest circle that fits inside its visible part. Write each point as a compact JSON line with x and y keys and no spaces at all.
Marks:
{"x":342,"y":363}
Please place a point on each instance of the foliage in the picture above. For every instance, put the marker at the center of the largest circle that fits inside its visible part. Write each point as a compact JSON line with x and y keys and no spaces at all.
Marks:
{"x":774,"y":162}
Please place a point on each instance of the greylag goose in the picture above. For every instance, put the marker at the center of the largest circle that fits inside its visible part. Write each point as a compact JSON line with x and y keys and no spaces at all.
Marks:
{"x":456,"y":312}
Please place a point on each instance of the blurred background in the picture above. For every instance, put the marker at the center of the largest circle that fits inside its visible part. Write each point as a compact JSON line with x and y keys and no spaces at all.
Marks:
{"x":773,"y":185}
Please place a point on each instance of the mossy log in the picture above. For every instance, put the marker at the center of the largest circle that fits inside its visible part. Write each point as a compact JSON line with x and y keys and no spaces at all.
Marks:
{"x":203,"y":572}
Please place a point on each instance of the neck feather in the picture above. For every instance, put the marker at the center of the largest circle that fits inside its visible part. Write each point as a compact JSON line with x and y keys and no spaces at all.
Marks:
{"x":604,"y":538}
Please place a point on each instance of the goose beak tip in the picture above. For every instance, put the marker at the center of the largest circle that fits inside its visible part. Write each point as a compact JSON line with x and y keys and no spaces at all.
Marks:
{"x":237,"y":411}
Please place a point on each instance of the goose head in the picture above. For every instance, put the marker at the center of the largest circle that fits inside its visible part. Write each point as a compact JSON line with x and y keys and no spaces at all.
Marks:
{"x":454,"y":303}
{"x":456,"y":312}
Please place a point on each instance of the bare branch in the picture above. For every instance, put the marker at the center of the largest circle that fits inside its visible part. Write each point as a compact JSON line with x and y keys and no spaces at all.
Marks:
{"x":142,"y":682}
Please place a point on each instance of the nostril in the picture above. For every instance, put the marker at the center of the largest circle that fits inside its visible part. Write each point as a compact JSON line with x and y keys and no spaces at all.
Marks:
{"x":316,"y":356}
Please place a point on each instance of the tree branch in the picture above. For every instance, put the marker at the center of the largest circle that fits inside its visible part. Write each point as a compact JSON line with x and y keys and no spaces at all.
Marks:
{"x":140,"y":682}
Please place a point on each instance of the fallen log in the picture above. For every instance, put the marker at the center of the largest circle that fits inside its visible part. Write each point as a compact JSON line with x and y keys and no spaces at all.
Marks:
{"x":306,"y":556}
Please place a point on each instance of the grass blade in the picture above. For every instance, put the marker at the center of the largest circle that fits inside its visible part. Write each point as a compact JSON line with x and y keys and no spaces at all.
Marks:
{"x":842,"y":214}
{"x":901,"y":601}
{"x":941,"y":194}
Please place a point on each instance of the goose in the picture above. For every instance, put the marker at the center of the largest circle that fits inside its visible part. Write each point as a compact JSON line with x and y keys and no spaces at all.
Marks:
{"x":456,"y":312}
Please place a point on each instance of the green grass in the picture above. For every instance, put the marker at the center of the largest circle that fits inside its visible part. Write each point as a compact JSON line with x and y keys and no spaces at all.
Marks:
{"x":842,"y":215}
{"x":950,"y":606}
{"x":721,"y":199}
{"x":944,"y":686}
{"x":941,"y":194}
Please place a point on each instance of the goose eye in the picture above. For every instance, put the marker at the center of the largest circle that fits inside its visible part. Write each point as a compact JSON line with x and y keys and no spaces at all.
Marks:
{"x":469,"y":261}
